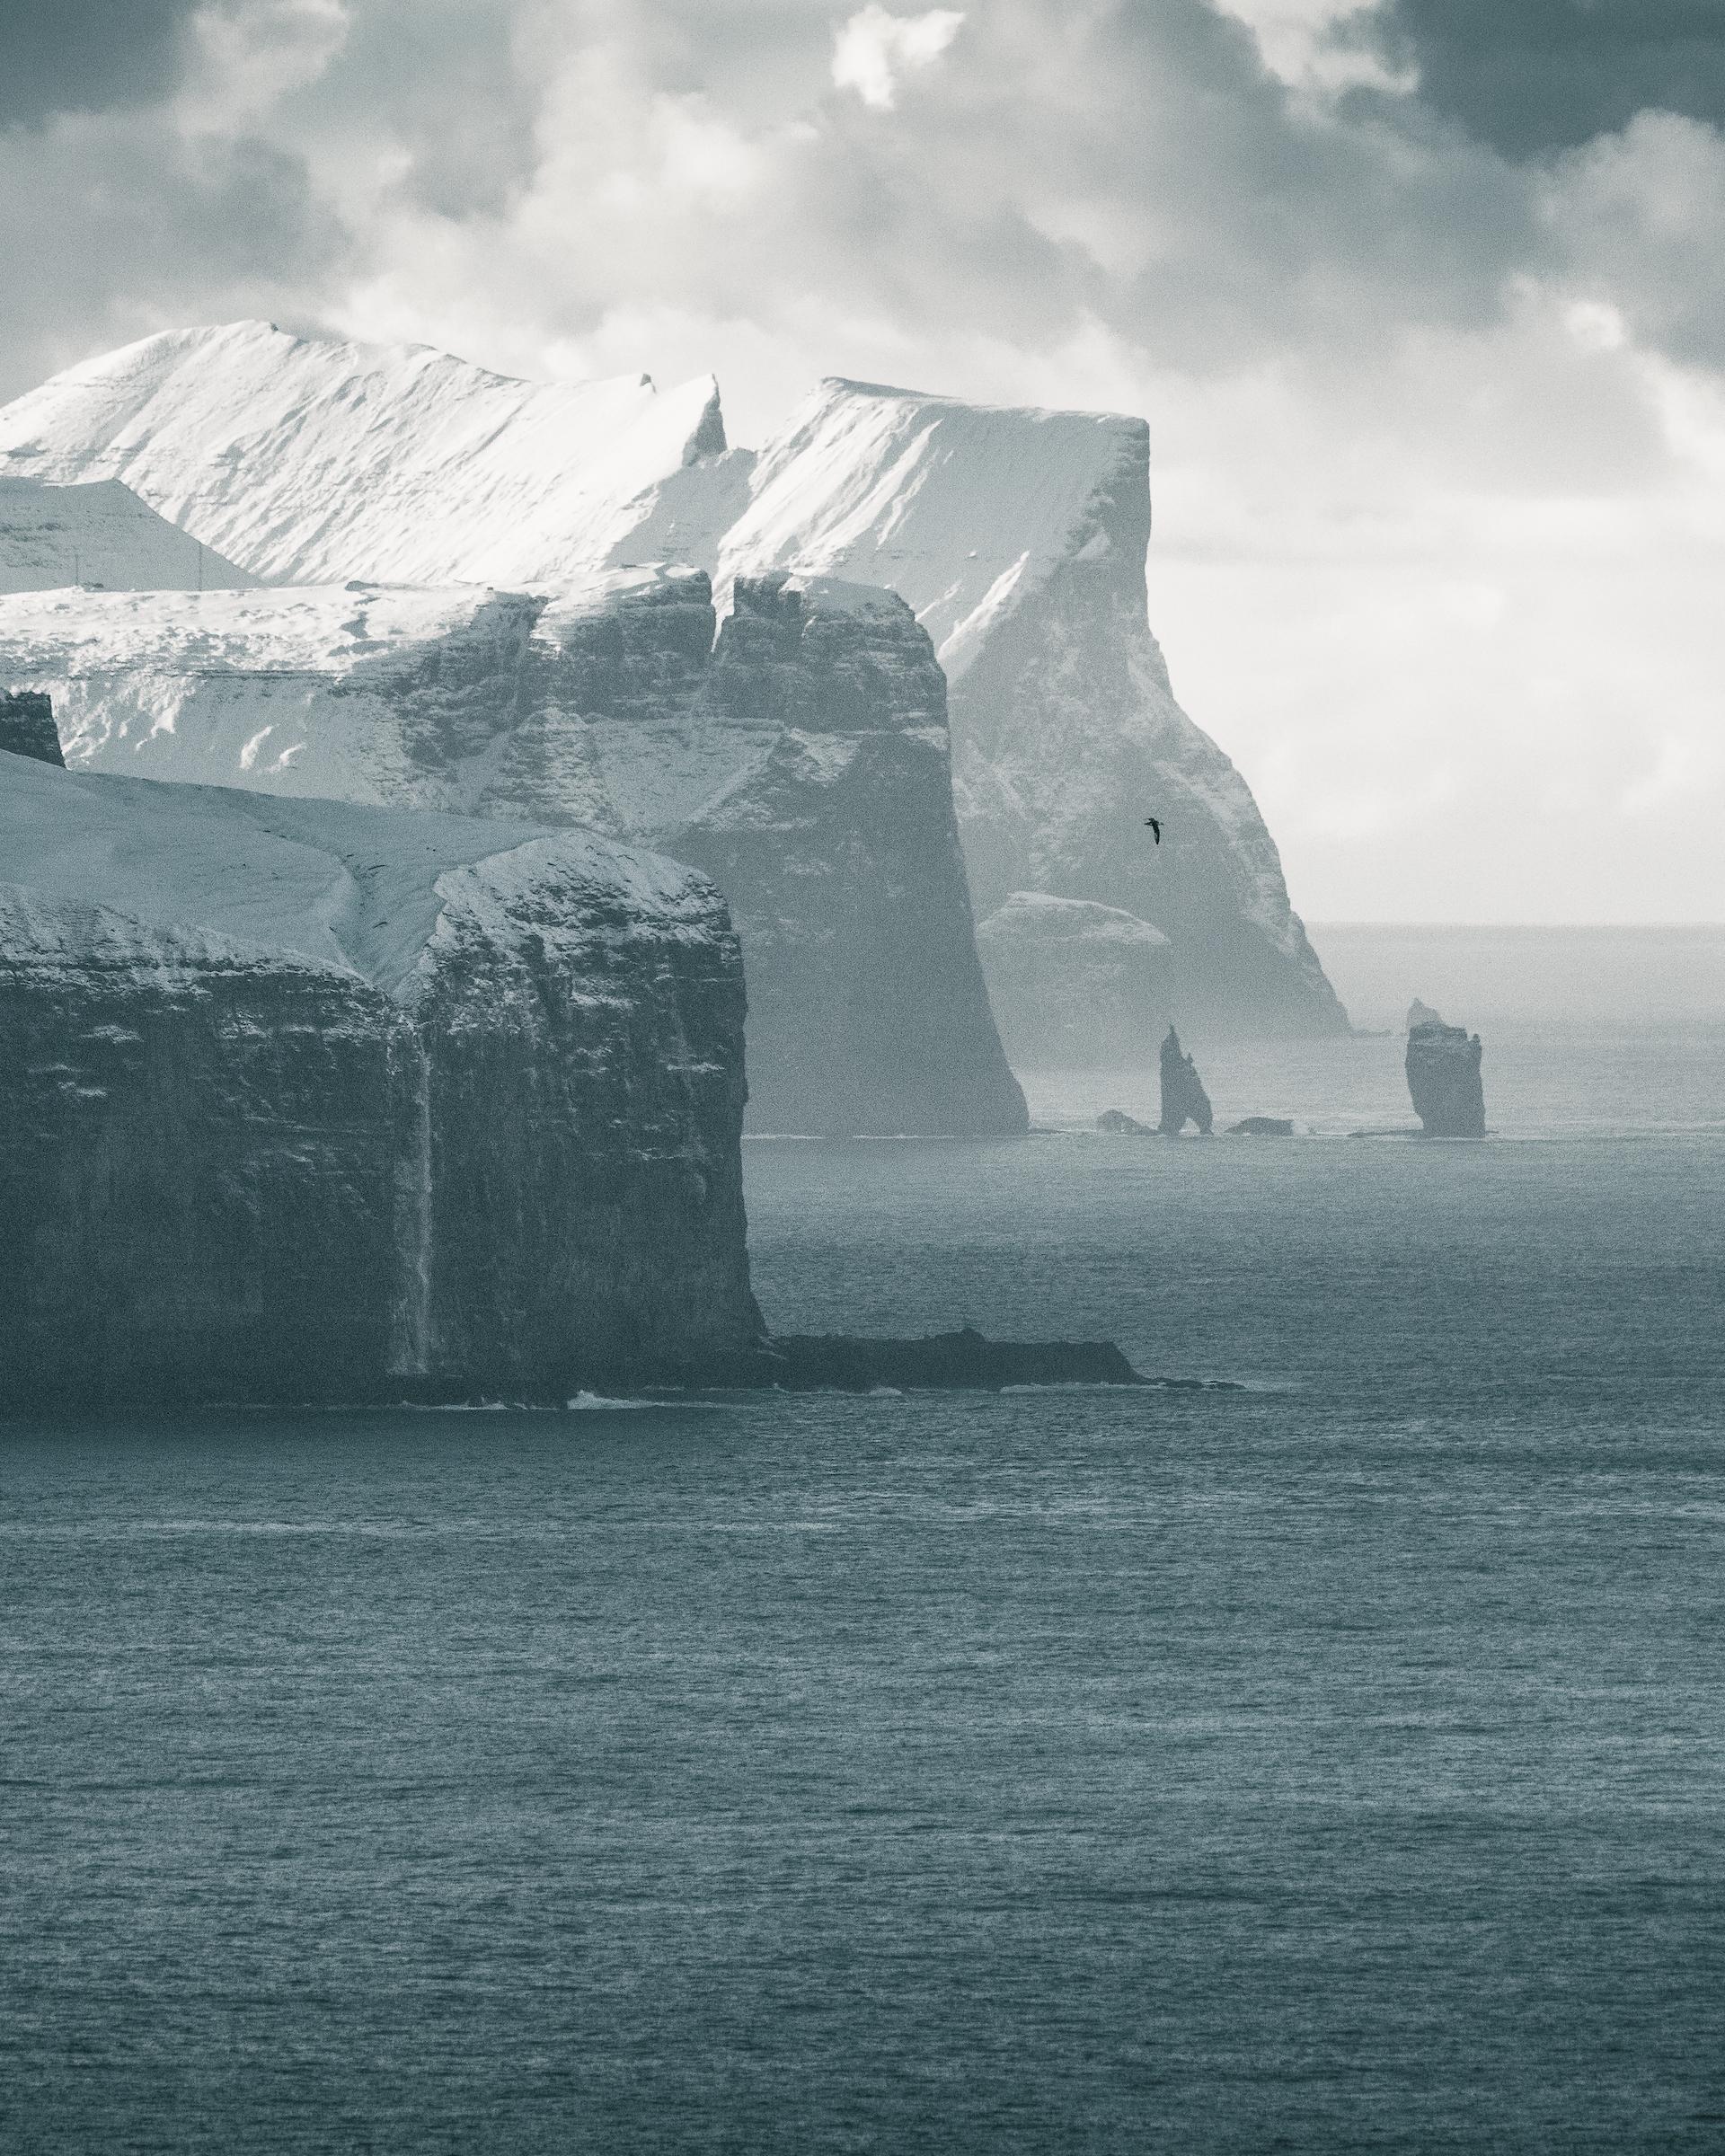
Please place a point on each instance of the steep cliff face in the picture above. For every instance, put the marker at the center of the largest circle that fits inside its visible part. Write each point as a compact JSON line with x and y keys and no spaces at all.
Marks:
{"x":304,"y":1099}
{"x":198,"y":1140}
{"x":802,"y":764}
{"x":27,"y":727}
{"x":836,"y":847}
{"x":1019,"y":538}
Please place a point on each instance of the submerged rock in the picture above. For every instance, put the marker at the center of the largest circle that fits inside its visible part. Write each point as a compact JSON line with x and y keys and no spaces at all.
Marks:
{"x":27,"y":727}
{"x":1262,"y":1127}
{"x":300,"y":1099}
{"x":1443,"y":1066}
{"x":1183,"y":1098}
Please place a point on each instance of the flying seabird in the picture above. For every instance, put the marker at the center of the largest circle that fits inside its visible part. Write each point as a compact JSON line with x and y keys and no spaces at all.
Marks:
{"x":1152,"y":824}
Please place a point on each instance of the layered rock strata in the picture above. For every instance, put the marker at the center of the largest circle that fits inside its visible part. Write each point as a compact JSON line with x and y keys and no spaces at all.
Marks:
{"x":801,"y":761}
{"x":300,"y":1099}
{"x":1443,"y":1076}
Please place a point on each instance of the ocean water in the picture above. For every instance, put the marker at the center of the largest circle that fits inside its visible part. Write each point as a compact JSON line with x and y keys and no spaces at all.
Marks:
{"x":1334,"y":1764}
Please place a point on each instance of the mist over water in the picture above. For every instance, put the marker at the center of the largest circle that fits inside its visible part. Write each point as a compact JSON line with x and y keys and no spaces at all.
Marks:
{"x":1332,"y":1764}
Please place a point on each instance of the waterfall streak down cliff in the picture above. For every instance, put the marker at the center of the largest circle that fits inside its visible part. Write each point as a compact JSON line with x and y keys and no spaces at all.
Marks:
{"x":302,"y":1100}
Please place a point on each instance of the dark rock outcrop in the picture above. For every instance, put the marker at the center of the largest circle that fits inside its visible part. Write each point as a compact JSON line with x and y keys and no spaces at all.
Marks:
{"x":1262,"y":1127}
{"x":963,"y":1360}
{"x":1443,"y":1066}
{"x":1183,"y":1098}
{"x":27,"y":727}
{"x":306,"y":1101}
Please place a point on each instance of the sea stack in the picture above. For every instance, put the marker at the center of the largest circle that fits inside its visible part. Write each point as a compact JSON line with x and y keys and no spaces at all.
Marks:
{"x":1444,"y":1076}
{"x":1183,"y":1098}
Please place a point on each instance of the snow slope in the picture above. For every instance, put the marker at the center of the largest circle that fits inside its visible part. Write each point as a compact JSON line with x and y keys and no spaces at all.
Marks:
{"x":965,"y":510}
{"x":344,"y":885}
{"x":99,"y":533}
{"x":360,"y":693}
{"x":311,"y":460}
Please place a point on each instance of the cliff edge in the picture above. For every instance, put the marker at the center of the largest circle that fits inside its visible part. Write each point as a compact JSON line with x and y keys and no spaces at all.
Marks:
{"x":300,"y":1099}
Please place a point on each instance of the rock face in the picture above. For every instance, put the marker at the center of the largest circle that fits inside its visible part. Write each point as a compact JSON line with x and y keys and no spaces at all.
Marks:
{"x":101,"y":536}
{"x":1019,"y":537}
{"x":1262,"y":1127}
{"x":1443,"y":1065}
{"x":304,"y":1101}
{"x":27,"y":727}
{"x":802,"y":764}
{"x":1183,"y":1098}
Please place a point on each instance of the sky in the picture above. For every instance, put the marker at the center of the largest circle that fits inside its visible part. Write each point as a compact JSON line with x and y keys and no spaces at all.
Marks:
{"x":1424,"y":301}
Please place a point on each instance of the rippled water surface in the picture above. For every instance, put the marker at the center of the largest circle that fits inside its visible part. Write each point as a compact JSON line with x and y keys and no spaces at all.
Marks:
{"x":1336,"y":1763}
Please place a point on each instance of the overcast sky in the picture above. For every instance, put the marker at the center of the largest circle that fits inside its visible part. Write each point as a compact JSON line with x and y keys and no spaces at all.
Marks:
{"x":1424,"y":301}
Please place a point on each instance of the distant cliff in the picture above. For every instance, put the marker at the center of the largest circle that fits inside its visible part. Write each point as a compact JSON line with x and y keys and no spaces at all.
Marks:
{"x":306,"y":1101}
{"x":802,"y":764}
{"x":1019,"y":536}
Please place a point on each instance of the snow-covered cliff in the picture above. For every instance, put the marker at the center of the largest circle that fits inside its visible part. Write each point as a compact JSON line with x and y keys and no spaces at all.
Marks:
{"x":801,"y":763}
{"x":301,"y":1098}
{"x":312,"y":460}
{"x":1019,"y":538}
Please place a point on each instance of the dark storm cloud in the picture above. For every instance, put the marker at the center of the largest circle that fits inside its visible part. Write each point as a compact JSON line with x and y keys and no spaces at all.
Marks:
{"x":87,"y":55}
{"x":1531,"y":76}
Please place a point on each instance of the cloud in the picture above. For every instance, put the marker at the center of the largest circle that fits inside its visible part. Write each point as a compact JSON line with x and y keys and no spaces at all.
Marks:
{"x":1396,"y":353}
{"x":874,"y":48}
{"x":1532,"y":76}
{"x":89,"y":55}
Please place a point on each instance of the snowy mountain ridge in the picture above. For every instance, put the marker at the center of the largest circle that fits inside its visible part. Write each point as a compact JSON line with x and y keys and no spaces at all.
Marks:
{"x":313,"y":460}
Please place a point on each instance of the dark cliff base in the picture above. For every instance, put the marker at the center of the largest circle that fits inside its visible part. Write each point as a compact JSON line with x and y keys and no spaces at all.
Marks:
{"x":953,"y":1361}
{"x":964,"y":1361}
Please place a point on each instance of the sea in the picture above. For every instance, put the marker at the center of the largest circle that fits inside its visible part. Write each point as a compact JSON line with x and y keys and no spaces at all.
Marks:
{"x":1328,"y":1757}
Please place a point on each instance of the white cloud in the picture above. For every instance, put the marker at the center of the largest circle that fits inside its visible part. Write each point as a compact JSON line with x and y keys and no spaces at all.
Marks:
{"x":874,"y":46}
{"x":1438,"y":440}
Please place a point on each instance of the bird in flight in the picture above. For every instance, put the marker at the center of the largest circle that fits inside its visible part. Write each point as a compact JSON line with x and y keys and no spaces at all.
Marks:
{"x":1153,"y":823}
